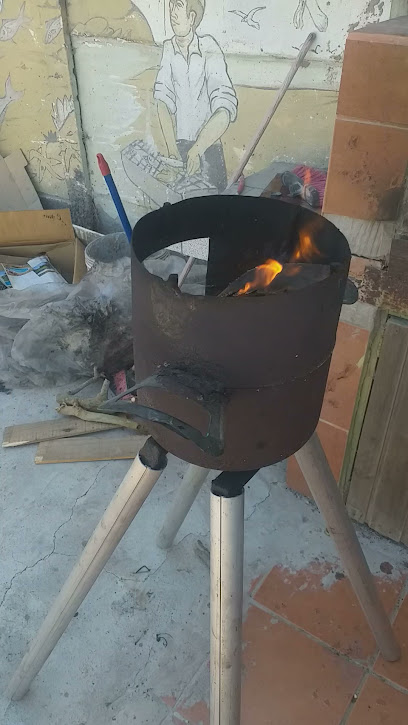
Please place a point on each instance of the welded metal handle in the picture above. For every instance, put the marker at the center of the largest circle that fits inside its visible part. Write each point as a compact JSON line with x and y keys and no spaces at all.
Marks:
{"x":204,"y":390}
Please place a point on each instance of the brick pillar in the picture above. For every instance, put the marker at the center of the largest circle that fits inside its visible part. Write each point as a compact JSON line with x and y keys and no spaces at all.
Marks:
{"x":369,"y":153}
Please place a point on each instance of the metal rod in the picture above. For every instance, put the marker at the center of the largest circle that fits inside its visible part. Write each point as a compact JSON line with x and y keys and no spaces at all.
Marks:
{"x":316,"y":470}
{"x":265,"y":123}
{"x":184,"y":272}
{"x":227,"y":563}
{"x":117,"y":518}
{"x":260,"y":131}
{"x":187,"y":492}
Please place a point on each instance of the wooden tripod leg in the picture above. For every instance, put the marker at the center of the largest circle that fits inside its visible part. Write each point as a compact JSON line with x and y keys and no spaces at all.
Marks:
{"x":184,"y":498}
{"x":316,"y":470}
{"x":226,"y":578}
{"x":117,"y":518}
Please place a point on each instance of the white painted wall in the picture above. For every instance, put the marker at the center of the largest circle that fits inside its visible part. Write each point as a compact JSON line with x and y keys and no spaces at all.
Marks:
{"x":283,"y":24}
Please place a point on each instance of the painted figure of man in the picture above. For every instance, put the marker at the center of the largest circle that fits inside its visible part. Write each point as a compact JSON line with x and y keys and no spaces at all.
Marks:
{"x":195,"y":97}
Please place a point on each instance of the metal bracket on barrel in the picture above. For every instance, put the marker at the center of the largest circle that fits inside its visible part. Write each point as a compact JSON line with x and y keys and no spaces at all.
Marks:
{"x":203,"y":389}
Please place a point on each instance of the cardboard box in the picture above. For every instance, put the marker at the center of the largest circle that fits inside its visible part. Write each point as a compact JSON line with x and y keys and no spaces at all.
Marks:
{"x":26,"y":234}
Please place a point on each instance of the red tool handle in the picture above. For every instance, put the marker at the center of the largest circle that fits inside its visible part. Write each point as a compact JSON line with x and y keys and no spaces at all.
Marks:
{"x":241,"y":184}
{"x":103,"y":165}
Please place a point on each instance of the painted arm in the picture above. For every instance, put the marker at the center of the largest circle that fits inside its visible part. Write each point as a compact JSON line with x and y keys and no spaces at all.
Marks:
{"x":209,"y":134}
{"x":223,"y":104}
{"x":166,"y":100}
{"x":167,"y":126}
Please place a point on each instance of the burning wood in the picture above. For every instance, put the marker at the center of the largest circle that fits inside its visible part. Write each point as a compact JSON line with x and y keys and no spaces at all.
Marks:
{"x":289,"y":277}
{"x":272,"y":276}
{"x":262,"y":276}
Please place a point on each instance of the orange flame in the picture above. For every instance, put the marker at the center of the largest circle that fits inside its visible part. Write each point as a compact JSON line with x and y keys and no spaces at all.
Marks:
{"x":263,"y":276}
{"x":306,"y":249}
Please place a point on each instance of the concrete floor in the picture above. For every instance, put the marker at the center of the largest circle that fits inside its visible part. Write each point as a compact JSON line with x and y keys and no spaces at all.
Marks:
{"x":137,"y":652}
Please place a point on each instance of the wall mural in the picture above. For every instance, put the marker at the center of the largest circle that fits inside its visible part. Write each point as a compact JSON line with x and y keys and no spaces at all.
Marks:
{"x":37,"y":108}
{"x":105,"y":19}
{"x":10,"y":27}
{"x":191,"y":102}
{"x":248,"y":17}
{"x":10,"y":95}
{"x":196,"y":102}
{"x":193,"y":97}
{"x":53,"y":27}
{"x":58,"y":153}
{"x":317,"y":15}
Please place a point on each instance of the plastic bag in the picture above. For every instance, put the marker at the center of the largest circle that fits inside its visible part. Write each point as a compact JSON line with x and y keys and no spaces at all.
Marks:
{"x":54,"y":335}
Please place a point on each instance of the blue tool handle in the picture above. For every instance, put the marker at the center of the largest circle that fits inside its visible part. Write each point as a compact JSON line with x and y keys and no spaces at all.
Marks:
{"x":119,"y":206}
{"x":106,"y":173}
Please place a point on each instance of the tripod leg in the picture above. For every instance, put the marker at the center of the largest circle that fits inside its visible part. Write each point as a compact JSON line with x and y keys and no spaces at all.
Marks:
{"x":117,"y":518}
{"x":187,"y":493}
{"x":227,"y":552}
{"x":316,"y":470}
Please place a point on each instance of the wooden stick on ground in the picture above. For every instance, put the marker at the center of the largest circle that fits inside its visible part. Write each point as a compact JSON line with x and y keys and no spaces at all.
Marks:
{"x":96,"y":448}
{"x":118,"y":420}
{"x":47,"y":430}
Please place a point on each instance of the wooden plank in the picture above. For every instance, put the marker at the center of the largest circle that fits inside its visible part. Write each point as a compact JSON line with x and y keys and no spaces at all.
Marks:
{"x":387,"y":512}
{"x":89,"y":449}
{"x":366,"y":381}
{"x":16,"y":163}
{"x":46,"y":430}
{"x":383,"y":290}
{"x":377,"y":419}
{"x":398,"y":262}
{"x":10,"y":196}
{"x":404,"y":536}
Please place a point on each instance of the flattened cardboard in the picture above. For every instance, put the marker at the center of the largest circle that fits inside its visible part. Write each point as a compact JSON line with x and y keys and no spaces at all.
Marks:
{"x":16,"y":163}
{"x":10,"y":195}
{"x":33,"y":232}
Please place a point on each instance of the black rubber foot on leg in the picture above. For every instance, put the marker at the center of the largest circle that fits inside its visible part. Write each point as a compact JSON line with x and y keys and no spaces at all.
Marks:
{"x":230,"y":484}
{"x":153,"y":456}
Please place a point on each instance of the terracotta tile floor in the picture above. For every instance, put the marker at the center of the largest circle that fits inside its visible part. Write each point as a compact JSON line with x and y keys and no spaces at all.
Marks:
{"x":329,"y":612}
{"x":309,"y":658}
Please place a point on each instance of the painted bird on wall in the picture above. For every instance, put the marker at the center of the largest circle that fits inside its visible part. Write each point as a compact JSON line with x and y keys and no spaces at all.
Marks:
{"x":248,"y":18}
